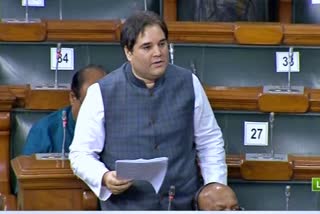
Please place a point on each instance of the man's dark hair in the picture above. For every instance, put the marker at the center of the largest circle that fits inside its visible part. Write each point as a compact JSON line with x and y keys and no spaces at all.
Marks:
{"x":136,"y":24}
{"x":78,"y":78}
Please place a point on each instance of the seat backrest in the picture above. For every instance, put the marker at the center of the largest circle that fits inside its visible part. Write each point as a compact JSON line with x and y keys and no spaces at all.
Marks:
{"x":21,"y":123}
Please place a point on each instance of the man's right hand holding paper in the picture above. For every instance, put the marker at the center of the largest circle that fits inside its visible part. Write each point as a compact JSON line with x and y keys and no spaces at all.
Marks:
{"x":114,"y":184}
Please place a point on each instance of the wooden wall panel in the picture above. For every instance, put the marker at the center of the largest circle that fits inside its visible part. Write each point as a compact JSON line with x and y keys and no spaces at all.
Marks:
{"x":170,"y":10}
{"x":4,"y":161}
{"x":83,"y":30}
{"x":182,"y":32}
{"x":262,"y":34}
{"x":285,"y":11}
{"x":23,"y":32}
{"x":203,"y":32}
{"x":47,"y":99}
{"x":303,"y":167}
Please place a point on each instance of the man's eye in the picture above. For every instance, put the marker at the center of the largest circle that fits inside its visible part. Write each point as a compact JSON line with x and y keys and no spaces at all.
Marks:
{"x":146,"y":47}
{"x":162,"y":44}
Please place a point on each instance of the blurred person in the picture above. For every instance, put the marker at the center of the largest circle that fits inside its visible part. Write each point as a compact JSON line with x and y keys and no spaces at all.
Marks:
{"x":46,"y":135}
{"x":216,"y":196}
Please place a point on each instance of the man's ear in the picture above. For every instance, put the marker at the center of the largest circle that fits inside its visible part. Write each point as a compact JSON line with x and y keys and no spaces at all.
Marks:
{"x":128,"y":53}
{"x":72,"y":97}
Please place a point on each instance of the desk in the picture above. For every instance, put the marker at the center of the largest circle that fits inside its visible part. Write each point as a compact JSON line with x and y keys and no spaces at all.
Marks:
{"x":50,"y":185}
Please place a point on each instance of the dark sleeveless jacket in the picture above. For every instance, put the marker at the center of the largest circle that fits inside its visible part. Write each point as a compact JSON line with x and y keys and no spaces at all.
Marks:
{"x":149,"y":123}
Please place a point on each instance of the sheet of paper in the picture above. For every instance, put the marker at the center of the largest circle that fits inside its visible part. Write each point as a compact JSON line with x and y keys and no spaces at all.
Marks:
{"x":151,"y":170}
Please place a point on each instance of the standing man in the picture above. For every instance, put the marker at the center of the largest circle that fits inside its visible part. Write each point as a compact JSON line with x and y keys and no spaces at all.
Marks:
{"x":46,"y":135}
{"x":147,"y":108}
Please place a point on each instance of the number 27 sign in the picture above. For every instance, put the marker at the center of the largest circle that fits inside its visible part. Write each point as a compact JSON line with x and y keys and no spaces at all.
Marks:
{"x":256,"y":133}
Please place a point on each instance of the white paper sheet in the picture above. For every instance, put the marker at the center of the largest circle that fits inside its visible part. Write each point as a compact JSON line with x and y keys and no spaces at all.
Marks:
{"x":151,"y":170}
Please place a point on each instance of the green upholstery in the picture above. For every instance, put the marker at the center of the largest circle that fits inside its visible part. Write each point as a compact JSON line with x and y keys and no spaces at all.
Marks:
{"x":21,"y":123}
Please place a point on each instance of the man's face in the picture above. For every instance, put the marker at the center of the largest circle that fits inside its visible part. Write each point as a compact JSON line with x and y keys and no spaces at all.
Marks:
{"x":149,"y":57}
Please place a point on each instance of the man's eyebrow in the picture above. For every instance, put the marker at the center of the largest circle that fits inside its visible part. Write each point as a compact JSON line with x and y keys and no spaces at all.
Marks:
{"x":145,"y":44}
{"x":149,"y":43}
{"x":163,"y":40}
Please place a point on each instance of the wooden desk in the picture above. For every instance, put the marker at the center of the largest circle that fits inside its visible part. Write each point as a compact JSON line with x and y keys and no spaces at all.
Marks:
{"x":50,"y":185}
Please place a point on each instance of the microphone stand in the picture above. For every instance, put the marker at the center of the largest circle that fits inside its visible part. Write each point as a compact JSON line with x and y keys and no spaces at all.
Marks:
{"x":27,"y":12}
{"x":172,"y":192}
{"x":290,"y":56}
{"x":58,"y":56}
{"x":64,"y":125}
{"x":271,"y":123}
{"x":171,"y":51}
{"x":287,"y":194}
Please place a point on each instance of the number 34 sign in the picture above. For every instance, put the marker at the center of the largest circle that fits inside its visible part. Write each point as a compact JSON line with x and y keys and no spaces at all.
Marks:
{"x":64,"y":58}
{"x":256,"y":133}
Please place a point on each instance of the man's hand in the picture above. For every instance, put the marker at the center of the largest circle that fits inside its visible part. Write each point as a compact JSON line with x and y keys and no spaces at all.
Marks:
{"x":114,"y":184}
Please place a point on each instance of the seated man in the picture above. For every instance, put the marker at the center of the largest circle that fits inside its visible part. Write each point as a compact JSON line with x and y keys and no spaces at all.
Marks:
{"x":216,"y":196}
{"x":47,"y":135}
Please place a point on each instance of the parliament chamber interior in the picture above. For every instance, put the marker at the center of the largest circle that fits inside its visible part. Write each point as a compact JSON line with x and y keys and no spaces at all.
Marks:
{"x":257,"y":60}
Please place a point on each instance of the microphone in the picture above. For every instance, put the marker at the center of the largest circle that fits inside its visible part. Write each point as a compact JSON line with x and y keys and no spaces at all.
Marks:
{"x":171,"y":51}
{"x":271,"y":122}
{"x":64,"y":119}
{"x":172,"y":192}
{"x":58,"y":51}
{"x":64,"y":125}
{"x":290,"y":52}
{"x":290,"y":60}
{"x":58,"y":57}
{"x":287,"y":193}
{"x":271,"y":117}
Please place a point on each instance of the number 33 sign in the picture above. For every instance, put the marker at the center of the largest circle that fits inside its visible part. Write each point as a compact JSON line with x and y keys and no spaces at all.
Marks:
{"x":65,"y":59}
{"x":256,"y":133}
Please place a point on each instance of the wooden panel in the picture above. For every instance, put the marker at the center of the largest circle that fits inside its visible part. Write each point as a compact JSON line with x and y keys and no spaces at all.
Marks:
{"x":304,"y":167}
{"x":220,"y":97}
{"x":258,"y":34}
{"x":8,"y":202}
{"x":202,"y":32}
{"x":285,"y":11}
{"x":183,"y":32}
{"x":301,"y":34}
{"x":170,"y":10}
{"x":63,"y":199}
{"x":4,"y":121}
{"x":234,"y":162}
{"x":6,"y":99}
{"x":49,"y":185}
{"x":23,"y":32}
{"x":38,"y":99}
{"x":4,"y":162}
{"x":314,"y":99}
{"x":89,"y":200}
{"x":246,"y":98}
{"x":84,"y":31}
{"x":20,"y":93}
{"x":293,"y":103}
{"x":233,"y":98}
{"x":266,"y":170}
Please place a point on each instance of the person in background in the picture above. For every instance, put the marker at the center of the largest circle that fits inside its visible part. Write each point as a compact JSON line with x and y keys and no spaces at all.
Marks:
{"x":226,"y":10}
{"x":216,"y":196}
{"x":46,"y":135}
{"x":147,"y":108}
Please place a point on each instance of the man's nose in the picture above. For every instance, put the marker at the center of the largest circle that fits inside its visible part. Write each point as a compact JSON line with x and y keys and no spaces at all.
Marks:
{"x":157,"y":50}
